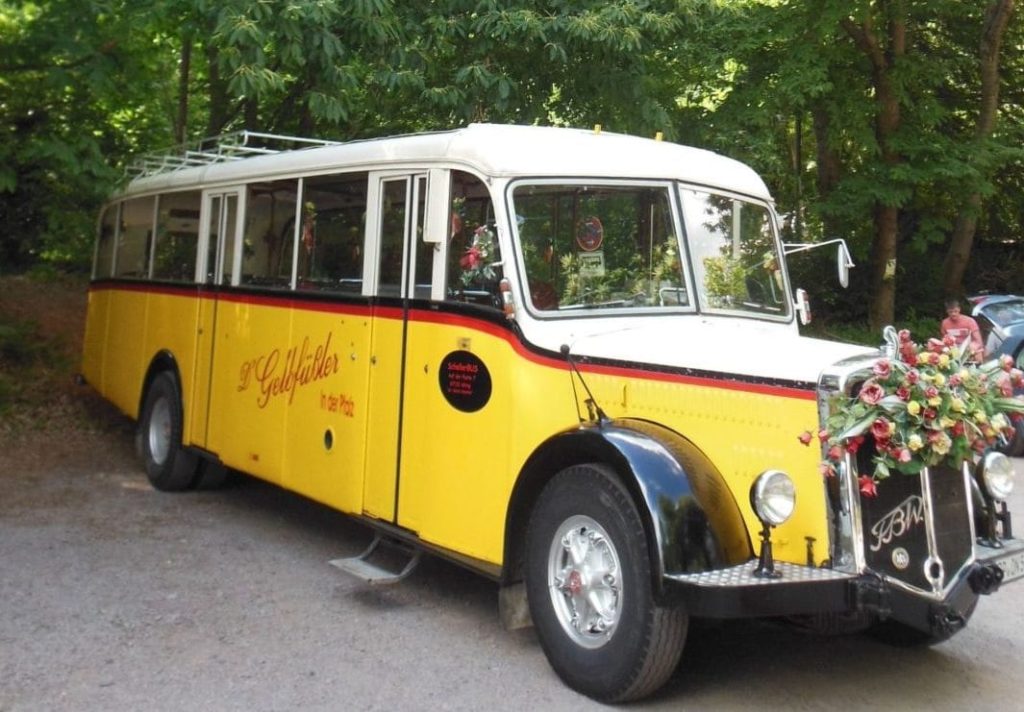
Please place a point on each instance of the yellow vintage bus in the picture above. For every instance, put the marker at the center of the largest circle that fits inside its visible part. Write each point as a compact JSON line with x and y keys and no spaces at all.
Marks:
{"x":568,"y":360}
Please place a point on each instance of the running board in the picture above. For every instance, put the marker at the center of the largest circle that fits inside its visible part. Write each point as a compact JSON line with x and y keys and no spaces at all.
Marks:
{"x":385,"y":561}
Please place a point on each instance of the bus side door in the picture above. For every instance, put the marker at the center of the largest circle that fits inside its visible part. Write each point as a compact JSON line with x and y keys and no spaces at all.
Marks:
{"x":395,"y":217}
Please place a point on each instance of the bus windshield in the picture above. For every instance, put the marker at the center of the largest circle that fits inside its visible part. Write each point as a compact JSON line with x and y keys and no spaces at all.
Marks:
{"x":735,"y":256}
{"x":594,"y":246}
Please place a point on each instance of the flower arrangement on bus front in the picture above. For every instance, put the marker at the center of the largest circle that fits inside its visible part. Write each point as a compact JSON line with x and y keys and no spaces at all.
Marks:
{"x":929,"y":406}
{"x":477,"y":262}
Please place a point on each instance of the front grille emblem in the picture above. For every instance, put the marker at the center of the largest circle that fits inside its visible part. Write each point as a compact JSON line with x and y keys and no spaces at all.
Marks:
{"x":900,"y":558}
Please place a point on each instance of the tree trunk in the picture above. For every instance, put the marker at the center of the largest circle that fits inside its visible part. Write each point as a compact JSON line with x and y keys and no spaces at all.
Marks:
{"x":997,"y":18}
{"x":184,"y":70}
{"x":220,"y":105}
{"x":884,"y":62}
{"x":829,"y":166}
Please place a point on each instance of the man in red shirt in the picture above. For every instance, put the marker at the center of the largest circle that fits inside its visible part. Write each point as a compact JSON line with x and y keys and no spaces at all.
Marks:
{"x":962,"y":328}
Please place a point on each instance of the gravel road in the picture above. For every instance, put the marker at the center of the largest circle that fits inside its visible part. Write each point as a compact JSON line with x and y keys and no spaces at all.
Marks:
{"x":117,"y":597}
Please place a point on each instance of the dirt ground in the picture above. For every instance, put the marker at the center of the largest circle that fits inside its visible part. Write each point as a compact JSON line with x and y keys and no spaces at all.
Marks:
{"x":116,"y":597}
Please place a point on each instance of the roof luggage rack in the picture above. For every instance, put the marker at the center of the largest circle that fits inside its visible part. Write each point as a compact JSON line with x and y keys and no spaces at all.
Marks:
{"x":218,"y":149}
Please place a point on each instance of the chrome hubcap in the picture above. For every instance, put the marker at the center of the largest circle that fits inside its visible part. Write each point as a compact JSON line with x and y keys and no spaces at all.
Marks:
{"x":584,"y":581}
{"x":159,"y":434}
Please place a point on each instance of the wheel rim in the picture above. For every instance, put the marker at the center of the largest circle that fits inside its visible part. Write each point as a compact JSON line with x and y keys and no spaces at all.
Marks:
{"x":159,"y":434}
{"x":584,"y":581}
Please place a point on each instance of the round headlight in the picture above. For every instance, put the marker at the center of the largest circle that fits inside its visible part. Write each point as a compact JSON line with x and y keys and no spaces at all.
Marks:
{"x":773,"y":497}
{"x":997,"y":476}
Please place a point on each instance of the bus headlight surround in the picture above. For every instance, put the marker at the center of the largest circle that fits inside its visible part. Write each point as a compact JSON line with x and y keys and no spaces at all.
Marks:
{"x":773,"y":497}
{"x":996,"y":476}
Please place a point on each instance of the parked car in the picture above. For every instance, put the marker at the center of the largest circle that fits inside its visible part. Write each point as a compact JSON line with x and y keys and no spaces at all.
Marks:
{"x":1000,"y":319}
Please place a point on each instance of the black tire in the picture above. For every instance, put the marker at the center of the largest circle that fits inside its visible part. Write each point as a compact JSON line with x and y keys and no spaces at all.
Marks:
{"x":169,"y":467}
{"x":587,"y":505}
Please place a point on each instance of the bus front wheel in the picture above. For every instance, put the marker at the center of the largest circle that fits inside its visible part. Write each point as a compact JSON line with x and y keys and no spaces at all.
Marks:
{"x":588,"y":582}
{"x":169,"y":466}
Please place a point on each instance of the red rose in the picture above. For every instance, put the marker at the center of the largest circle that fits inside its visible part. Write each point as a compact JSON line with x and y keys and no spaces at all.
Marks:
{"x":913,"y":376}
{"x":867,"y":486}
{"x":903,"y":392}
{"x":880,"y":430}
{"x":823,"y":435}
{"x":835,"y":453}
{"x":948,"y":340}
{"x":900,"y":454}
{"x":930,"y":413}
{"x":931,"y":392}
{"x":871,"y":393}
{"x":904,"y":336}
{"x":958,"y":429}
{"x":933,"y":359}
{"x":936,"y":346}
{"x":854,"y":444}
{"x":805,"y":437}
{"x":954,"y":380}
{"x":472,"y":259}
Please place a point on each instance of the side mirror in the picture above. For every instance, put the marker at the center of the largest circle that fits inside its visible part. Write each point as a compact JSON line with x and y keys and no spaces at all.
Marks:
{"x":843,"y":266}
{"x":803,"y":306}
{"x":843,"y":260}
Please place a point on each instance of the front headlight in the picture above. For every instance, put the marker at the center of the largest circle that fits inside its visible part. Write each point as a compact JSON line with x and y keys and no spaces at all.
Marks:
{"x":773,"y":497}
{"x":996,"y":476}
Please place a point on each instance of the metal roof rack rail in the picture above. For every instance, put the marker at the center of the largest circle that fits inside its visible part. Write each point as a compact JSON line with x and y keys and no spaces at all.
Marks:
{"x":232,"y":146}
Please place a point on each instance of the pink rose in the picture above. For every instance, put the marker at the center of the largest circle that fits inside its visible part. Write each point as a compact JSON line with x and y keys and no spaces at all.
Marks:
{"x":1006,"y":362}
{"x":936,"y":346}
{"x":835,"y":453}
{"x":854,"y":444}
{"x":931,"y":392}
{"x":948,"y":340}
{"x":930,"y":414}
{"x":880,"y":430}
{"x":823,"y":435}
{"x":872,"y":393}
{"x":826,"y":469}
{"x":913,"y":376}
{"x":900,"y":454}
{"x":904,"y":336}
{"x":805,"y":437}
{"x":903,"y":392}
{"x":882,"y":368}
{"x":955,"y":380}
{"x":933,"y":359}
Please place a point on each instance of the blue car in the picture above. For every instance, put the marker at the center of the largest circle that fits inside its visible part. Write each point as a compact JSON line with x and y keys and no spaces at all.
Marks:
{"x":1000,"y":319}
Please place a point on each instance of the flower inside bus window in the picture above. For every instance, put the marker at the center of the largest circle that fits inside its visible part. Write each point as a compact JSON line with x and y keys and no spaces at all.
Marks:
{"x":331,"y":230}
{"x":474,"y":259}
{"x":593,"y":246}
{"x":735,"y":256}
{"x":269,"y":239}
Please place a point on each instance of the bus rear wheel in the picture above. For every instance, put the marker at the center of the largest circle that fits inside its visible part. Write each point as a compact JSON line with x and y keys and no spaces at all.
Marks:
{"x":588,"y":582}
{"x":168,"y":465}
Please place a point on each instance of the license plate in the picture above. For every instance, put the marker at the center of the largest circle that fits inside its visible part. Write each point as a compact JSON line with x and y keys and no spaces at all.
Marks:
{"x":1010,"y":560}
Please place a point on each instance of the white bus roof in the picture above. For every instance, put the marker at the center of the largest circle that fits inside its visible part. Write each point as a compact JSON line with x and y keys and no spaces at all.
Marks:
{"x":493,"y":150}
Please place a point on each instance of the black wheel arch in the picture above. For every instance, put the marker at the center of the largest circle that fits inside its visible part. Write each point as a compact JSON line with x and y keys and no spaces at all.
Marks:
{"x":162,"y":361}
{"x":691,"y":519}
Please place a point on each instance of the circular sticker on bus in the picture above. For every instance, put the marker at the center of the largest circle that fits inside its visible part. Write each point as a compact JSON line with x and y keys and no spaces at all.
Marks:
{"x":590,"y":235}
{"x":465,"y":381}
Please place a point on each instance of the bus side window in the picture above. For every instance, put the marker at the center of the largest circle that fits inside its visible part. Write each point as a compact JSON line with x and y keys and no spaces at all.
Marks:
{"x":133,"y":242}
{"x":268,"y":242}
{"x":474,"y":258}
{"x":177,"y":237}
{"x":332,"y":226}
{"x":106,"y":243}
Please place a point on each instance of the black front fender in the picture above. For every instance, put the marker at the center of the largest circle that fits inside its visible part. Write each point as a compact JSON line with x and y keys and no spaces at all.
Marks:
{"x":692,"y":520}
